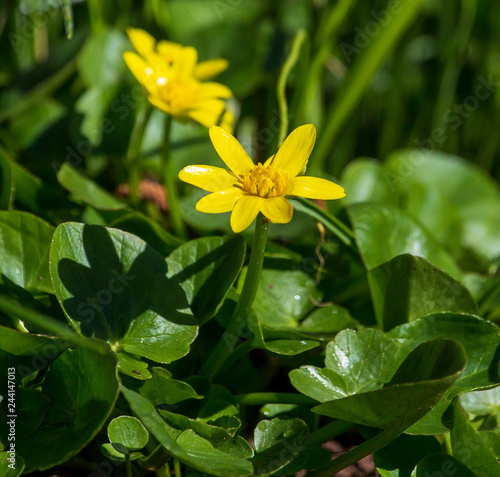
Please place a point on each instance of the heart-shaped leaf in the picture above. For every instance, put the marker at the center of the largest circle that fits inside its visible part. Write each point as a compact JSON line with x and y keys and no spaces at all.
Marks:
{"x":114,"y":286}
{"x":128,"y":431}
{"x":418,"y":385}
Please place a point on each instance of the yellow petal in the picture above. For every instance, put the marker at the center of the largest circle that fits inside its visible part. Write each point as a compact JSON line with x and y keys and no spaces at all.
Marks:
{"x":315,"y":188}
{"x":208,"y":69}
{"x":143,"y":42}
{"x":214,"y":90}
{"x":185,"y":63}
{"x":218,"y":202}
{"x":230,"y":150}
{"x":294,"y":153}
{"x":158,"y":103}
{"x":245,"y":211}
{"x":278,"y":210}
{"x":205,"y":118}
{"x":212,"y":179}
{"x":168,"y":50}
{"x":139,"y":68}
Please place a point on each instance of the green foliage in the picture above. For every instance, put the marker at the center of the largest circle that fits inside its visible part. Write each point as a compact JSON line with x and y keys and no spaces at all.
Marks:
{"x":376,"y":317}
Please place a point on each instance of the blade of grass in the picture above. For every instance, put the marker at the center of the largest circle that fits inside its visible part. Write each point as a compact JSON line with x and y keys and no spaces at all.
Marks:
{"x":358,"y":80}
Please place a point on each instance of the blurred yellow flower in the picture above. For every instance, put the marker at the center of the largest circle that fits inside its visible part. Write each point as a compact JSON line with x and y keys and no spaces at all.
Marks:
{"x":171,"y":76}
{"x":248,"y":189}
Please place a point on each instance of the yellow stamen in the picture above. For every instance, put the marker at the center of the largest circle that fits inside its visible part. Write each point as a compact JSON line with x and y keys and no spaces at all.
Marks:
{"x":265,"y":181}
{"x":179,"y":95}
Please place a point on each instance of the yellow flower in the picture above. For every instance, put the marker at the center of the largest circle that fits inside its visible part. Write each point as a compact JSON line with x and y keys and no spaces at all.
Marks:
{"x":145,"y":44}
{"x":173,"y":82}
{"x":248,"y":189}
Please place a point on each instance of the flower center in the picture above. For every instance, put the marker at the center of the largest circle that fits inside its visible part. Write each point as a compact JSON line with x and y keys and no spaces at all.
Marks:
{"x":265,"y":181}
{"x":178,"y":94}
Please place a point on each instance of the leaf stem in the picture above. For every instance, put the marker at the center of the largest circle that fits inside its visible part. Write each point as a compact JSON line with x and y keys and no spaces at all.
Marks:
{"x":225,"y":346}
{"x":177,"y":468}
{"x":330,"y":431}
{"x":282,"y":80}
{"x":134,"y":150}
{"x":169,"y":177}
{"x":258,"y":399}
{"x":345,"y":460}
{"x":128,"y":466}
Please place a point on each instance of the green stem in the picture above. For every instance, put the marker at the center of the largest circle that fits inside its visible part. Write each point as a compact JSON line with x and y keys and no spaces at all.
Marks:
{"x":177,"y":468}
{"x":134,"y":150}
{"x":330,"y":431}
{"x":50,"y":325}
{"x":169,"y":177}
{"x":128,"y":466}
{"x":258,"y":399}
{"x":225,"y":346}
{"x":163,"y":471}
{"x":282,"y":80}
{"x":369,"y":447}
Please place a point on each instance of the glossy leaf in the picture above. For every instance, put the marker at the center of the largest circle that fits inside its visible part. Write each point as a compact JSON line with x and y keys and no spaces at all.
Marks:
{"x":82,"y":388}
{"x":277,"y":442}
{"x":7,"y":186}
{"x":482,"y":403}
{"x":206,"y":268}
{"x":6,"y":460}
{"x":408,"y":288}
{"x":24,"y":248}
{"x":418,"y":385}
{"x":469,"y":448}
{"x":132,"y":366}
{"x":128,"y":431}
{"x":327,"y":320}
{"x":163,"y":390}
{"x":383,"y":231}
{"x":479,"y":338}
{"x":114,"y":286}
{"x":290,"y":347}
{"x":187,"y":446}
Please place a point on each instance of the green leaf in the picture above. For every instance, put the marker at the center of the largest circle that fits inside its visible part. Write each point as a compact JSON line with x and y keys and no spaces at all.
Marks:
{"x":482,"y":403}
{"x":191,"y":449}
{"x":441,"y":464}
{"x":82,"y":388}
{"x":24,"y":248}
{"x":206,"y":268}
{"x":278,"y":442}
{"x":355,"y":362}
{"x":284,"y":297}
{"x":128,"y":431}
{"x":418,"y":385}
{"x":11,"y":466}
{"x":479,"y":338}
{"x":328,"y":320}
{"x":383,"y":231}
{"x":132,"y":366}
{"x":163,"y":390}
{"x":408,"y":288}
{"x":400,"y":457}
{"x":7,"y":186}
{"x":364,"y":181}
{"x":290,"y":347}
{"x":100,"y":62}
{"x":469,"y":448}
{"x":87,"y":190}
{"x":461,"y":189}
{"x":114,"y":286}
